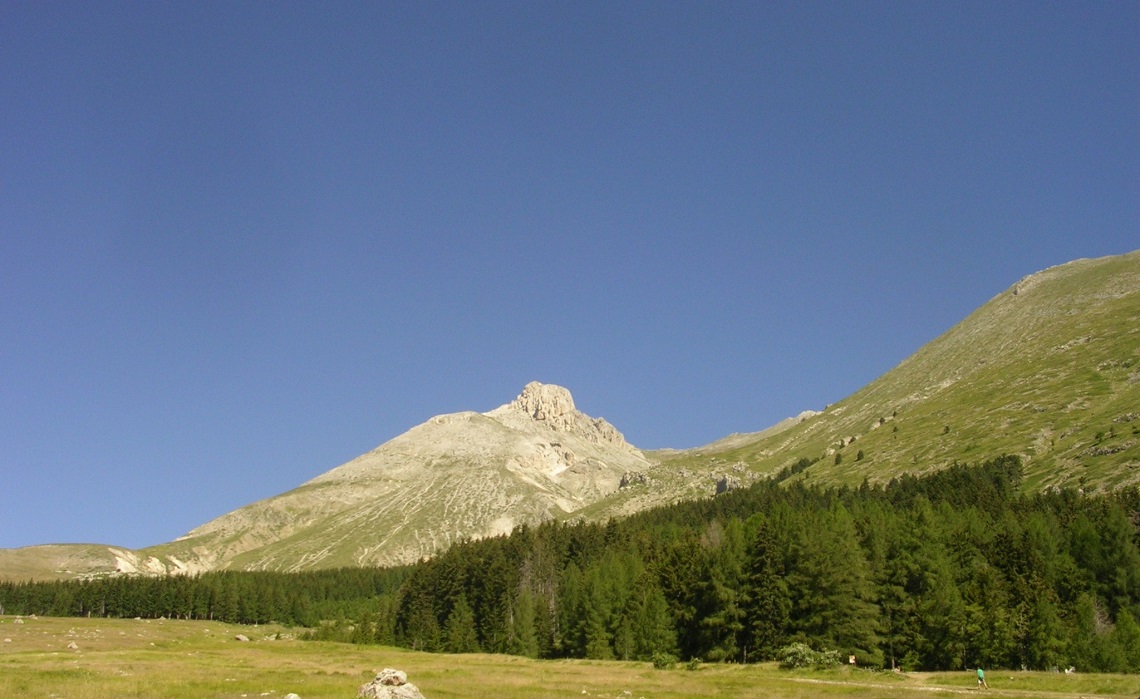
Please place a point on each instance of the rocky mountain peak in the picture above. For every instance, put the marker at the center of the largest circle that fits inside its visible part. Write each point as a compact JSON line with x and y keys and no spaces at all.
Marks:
{"x":552,"y":407}
{"x":544,"y":402}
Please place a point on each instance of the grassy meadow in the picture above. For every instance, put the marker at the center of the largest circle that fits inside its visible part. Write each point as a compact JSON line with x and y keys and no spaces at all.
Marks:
{"x":170,"y":658}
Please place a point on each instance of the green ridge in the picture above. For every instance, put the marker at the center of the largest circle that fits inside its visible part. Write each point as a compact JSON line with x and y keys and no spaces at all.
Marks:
{"x":1048,"y":370}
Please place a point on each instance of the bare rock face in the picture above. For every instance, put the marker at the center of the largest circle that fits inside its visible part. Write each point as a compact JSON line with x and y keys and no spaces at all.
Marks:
{"x":390,"y":684}
{"x":544,"y":402}
{"x":631,"y":478}
{"x":727,"y":483}
{"x":553,"y":406}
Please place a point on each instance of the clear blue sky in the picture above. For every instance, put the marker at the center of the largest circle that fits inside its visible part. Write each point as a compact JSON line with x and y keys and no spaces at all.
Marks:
{"x":244,"y":242}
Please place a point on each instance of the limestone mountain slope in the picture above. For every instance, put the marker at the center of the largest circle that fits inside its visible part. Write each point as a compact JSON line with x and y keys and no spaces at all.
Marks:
{"x":463,"y":475}
{"x":1048,"y":370}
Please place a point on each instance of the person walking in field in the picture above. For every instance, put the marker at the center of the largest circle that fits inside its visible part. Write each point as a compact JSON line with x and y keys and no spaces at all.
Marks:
{"x":982,"y":678}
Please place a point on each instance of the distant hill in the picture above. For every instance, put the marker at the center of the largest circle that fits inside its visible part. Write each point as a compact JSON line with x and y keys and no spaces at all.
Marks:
{"x":1048,"y":370}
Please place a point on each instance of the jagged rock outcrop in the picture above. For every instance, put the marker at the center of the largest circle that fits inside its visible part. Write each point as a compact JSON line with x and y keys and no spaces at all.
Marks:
{"x":545,"y":402}
{"x":390,"y":684}
{"x":727,"y":483}
{"x":633,"y":478}
{"x":553,"y":406}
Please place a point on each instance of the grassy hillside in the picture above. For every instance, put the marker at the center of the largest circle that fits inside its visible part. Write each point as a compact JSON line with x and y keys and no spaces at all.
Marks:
{"x":1049,"y":370}
{"x":55,"y":562}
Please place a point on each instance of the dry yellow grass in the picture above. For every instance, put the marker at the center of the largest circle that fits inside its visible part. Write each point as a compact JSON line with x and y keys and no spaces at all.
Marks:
{"x":165,"y":658}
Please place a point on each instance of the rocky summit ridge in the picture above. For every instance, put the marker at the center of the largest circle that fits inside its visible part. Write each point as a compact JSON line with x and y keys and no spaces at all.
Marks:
{"x":552,"y":406}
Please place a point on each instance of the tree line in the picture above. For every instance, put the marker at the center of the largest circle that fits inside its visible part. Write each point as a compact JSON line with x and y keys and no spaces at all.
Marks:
{"x":954,"y":569}
{"x":236,"y":597}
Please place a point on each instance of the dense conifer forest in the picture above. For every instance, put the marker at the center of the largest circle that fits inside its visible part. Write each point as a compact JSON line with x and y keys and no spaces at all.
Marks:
{"x":954,"y":569}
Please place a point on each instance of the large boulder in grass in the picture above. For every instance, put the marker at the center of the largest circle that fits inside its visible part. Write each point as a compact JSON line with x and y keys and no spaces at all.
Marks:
{"x":390,"y":684}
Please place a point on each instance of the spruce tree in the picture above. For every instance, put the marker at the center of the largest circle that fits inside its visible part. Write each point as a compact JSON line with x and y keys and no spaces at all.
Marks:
{"x":834,"y":599}
{"x":524,"y":634}
{"x":595,"y":618}
{"x":459,"y":631}
{"x":648,"y":621}
{"x":766,"y":602}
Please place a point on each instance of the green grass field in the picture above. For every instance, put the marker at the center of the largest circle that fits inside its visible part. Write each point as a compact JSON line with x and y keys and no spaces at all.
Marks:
{"x":166,"y":658}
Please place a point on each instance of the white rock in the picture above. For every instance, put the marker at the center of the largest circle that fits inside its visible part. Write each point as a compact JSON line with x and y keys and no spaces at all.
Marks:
{"x":390,"y":684}
{"x":392,"y":678}
{"x":544,"y":401}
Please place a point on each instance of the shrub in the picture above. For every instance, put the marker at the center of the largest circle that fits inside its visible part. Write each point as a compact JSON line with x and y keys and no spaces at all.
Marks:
{"x":663,"y":660}
{"x":798,"y":655}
